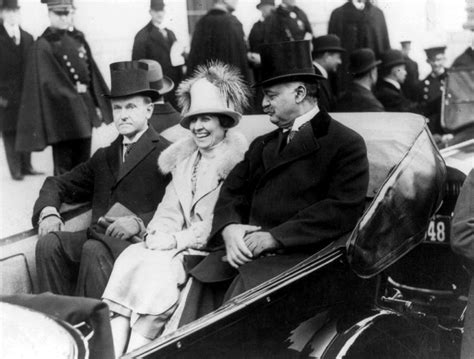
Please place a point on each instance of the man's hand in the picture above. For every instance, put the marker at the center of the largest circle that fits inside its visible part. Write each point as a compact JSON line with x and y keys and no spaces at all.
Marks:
{"x":122,"y":227}
{"x":50,"y":224}
{"x":160,"y":241}
{"x":261,"y":242}
{"x":236,"y":249}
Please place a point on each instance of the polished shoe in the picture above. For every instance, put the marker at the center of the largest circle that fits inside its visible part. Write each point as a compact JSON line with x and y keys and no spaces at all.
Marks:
{"x":18,"y":177}
{"x":32,"y":172}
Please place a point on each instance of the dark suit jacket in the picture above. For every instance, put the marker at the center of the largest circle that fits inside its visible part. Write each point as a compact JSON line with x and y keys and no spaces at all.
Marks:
{"x":105,"y":180}
{"x":412,"y":82}
{"x":12,"y":68}
{"x":326,"y":99}
{"x":164,"y":116}
{"x":306,"y":196}
{"x":393,"y":99}
{"x":358,"y":99}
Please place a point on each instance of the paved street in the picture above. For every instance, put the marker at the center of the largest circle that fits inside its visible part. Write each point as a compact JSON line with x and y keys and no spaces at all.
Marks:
{"x":17,"y":197}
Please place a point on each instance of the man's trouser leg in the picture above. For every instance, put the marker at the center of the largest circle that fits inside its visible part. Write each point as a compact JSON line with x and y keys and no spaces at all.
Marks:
{"x":95,"y":269}
{"x":58,"y":255}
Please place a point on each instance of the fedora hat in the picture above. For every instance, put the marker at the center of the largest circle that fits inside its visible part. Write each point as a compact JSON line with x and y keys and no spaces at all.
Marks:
{"x":285,"y":62}
{"x":157,"y":81}
{"x":327,"y":43}
{"x":392,"y":58}
{"x":9,"y":4}
{"x":362,"y":61}
{"x":129,"y":78}
{"x":266,"y":2}
{"x":157,"y":5}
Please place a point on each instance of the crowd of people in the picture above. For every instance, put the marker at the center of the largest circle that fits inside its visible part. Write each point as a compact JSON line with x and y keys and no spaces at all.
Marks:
{"x":177,"y":186}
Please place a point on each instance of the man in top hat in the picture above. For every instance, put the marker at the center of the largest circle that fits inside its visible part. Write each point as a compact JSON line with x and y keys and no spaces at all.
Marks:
{"x":389,"y":88}
{"x":359,"y":97}
{"x":165,"y":119}
{"x":327,"y":52}
{"x":302,"y":185}
{"x":431,"y":88}
{"x":123,"y":176}
{"x":154,"y":42}
{"x":61,"y":70}
{"x":287,"y":23}
{"x":219,"y":35}
{"x":411,"y":84}
{"x":14,"y":46}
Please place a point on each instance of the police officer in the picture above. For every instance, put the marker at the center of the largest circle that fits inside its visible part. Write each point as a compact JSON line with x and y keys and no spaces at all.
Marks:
{"x":62,"y":97}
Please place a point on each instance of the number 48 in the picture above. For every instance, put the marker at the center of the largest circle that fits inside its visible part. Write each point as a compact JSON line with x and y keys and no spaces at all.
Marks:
{"x":437,"y":231}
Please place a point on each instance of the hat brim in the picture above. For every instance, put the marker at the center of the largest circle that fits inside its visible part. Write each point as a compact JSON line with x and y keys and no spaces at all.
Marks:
{"x":393,"y":64}
{"x":289,"y":78}
{"x":329,"y":49}
{"x":154,"y":95}
{"x":168,"y":85}
{"x":235,"y":116}
{"x":366,"y":68}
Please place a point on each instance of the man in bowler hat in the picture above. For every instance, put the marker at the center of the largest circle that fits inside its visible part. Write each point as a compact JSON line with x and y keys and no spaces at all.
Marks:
{"x":359,"y":97}
{"x":62,"y":93}
{"x":389,"y":88}
{"x":327,"y":52}
{"x":123,"y":176}
{"x":15,"y":44}
{"x":154,"y":42}
{"x":299,"y":187}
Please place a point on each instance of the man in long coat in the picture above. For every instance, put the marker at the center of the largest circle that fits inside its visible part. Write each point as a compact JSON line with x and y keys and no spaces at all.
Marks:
{"x":412,"y":82}
{"x":62,"y":94}
{"x":219,"y":35}
{"x":154,"y":42}
{"x":14,"y":46}
{"x":299,"y":187}
{"x":125,"y":173}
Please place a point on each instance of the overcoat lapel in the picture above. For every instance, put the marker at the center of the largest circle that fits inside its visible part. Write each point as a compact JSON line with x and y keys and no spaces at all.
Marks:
{"x":271,"y":149}
{"x":8,"y":40}
{"x":113,"y":156}
{"x":157,"y":37}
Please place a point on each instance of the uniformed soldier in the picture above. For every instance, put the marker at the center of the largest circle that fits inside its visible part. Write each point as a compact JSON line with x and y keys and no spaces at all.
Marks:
{"x":431,"y":89}
{"x":63,"y":88}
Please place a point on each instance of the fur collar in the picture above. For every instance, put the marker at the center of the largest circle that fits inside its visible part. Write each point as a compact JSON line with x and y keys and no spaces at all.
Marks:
{"x":234,"y":147}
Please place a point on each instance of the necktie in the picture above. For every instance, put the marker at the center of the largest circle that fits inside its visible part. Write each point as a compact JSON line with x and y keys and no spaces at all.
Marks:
{"x":16,"y":40}
{"x":127,"y":148}
{"x":290,"y":136}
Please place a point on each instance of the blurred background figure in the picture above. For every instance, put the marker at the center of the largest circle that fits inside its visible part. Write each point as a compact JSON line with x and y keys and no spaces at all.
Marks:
{"x":389,"y":88}
{"x":359,"y":24}
{"x":155,"y":42}
{"x":411,"y":84}
{"x":14,"y":46}
{"x":467,"y":57}
{"x":326,"y":53}
{"x":219,"y":36}
{"x":287,"y":23}
{"x":61,"y":70}
{"x":359,"y":96}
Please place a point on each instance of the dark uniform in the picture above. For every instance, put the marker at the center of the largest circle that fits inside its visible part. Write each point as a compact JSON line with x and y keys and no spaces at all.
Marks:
{"x":62,"y":92}
{"x":287,"y":23}
{"x":430,"y":95}
{"x":411,"y":84}
{"x":12,"y":67}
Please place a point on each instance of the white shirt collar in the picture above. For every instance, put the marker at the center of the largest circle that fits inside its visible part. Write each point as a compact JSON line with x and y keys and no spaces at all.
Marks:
{"x":394,"y":83}
{"x":300,"y":121}
{"x":321,"y":69}
{"x":135,"y":138}
{"x":12,"y":30}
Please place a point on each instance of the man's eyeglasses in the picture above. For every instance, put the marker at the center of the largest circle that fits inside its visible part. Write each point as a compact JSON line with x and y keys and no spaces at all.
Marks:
{"x":62,"y":12}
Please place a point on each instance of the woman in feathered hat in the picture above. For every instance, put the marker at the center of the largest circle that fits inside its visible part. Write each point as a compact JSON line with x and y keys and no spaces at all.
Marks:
{"x":144,"y":288}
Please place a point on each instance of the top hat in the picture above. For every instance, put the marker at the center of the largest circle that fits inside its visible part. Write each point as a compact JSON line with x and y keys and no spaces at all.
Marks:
{"x":156,"y":79}
{"x":266,"y":2}
{"x":59,"y":4}
{"x":362,"y":61}
{"x":129,"y":78}
{"x":327,"y":43}
{"x":286,"y":62}
{"x":9,"y":4}
{"x":157,"y":5}
{"x":392,"y":58}
{"x":433,"y":51}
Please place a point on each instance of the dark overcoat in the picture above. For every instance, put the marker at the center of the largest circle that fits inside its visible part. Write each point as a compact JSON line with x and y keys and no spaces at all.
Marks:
{"x":286,"y":24}
{"x":164,"y":116}
{"x":466,"y":59}
{"x":393,"y":99}
{"x":52,"y":109}
{"x":306,"y":196}
{"x":430,"y":95}
{"x":412,"y":81}
{"x":219,"y":36}
{"x":358,"y":99}
{"x":12,"y":68}
{"x":326,"y":97}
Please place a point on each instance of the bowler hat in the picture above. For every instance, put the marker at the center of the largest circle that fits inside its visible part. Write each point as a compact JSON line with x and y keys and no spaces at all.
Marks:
{"x":285,"y":62}
{"x":362,"y":61}
{"x":433,"y":51}
{"x":9,"y":4}
{"x":58,"y":4}
{"x":327,"y":43}
{"x":266,"y":2}
{"x":156,"y":79}
{"x":157,"y":5}
{"x":129,"y":78}
{"x":392,"y":58}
